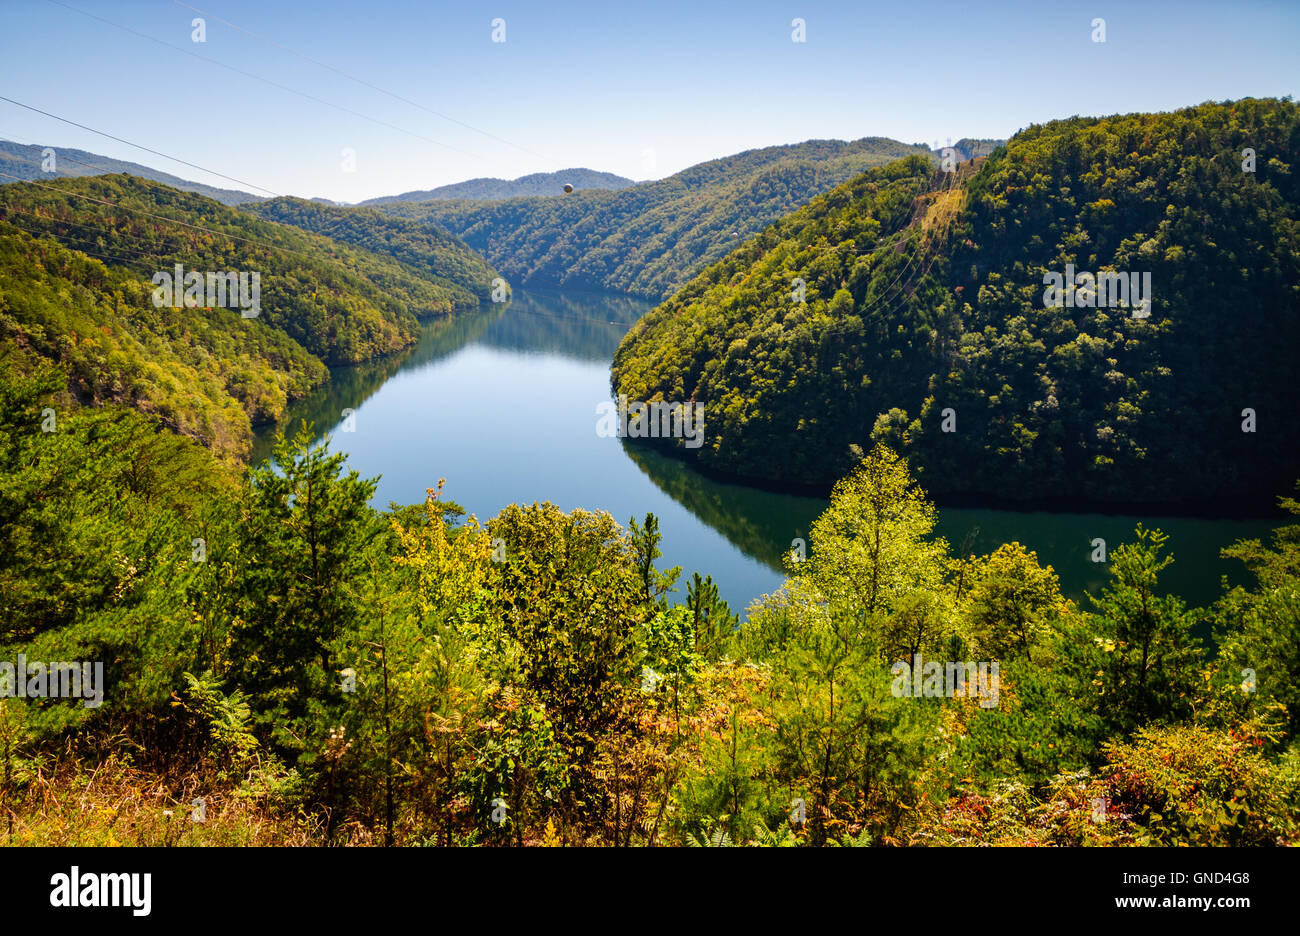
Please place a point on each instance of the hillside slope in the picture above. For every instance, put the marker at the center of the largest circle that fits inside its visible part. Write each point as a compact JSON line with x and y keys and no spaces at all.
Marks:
{"x":925,"y":311}
{"x":649,"y":239}
{"x":425,"y":250}
{"x":77,"y":261}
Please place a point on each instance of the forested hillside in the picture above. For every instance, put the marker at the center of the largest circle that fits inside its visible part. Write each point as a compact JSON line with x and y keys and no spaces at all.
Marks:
{"x":27,"y":163}
{"x":649,"y":239}
{"x":537,"y":183}
{"x":426,"y":250}
{"x":77,"y":258}
{"x":924,"y":324}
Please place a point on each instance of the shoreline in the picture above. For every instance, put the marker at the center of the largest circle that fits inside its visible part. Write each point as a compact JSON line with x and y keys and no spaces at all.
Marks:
{"x":1218,"y":508}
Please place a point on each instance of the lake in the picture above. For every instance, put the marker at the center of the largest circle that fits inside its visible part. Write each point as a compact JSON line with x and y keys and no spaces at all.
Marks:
{"x":502,"y":403}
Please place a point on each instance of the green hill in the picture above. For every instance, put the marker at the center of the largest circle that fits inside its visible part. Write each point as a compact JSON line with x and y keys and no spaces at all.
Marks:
{"x":649,"y":239}
{"x":538,"y":183}
{"x":925,"y":311}
{"x":425,"y":250}
{"x":77,"y":258}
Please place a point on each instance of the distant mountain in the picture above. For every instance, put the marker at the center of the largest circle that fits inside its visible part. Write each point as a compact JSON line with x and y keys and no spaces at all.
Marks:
{"x":649,"y":239}
{"x":25,"y":162}
{"x":539,"y":183}
{"x":78,"y":259}
{"x":908,"y":307}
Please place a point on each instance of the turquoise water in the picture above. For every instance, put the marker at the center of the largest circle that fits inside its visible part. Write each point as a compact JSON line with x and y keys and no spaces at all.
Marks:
{"x":502,"y":404}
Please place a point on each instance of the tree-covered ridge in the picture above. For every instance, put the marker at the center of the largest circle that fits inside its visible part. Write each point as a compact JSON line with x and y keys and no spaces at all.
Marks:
{"x":321,"y":672}
{"x":901,"y":326}
{"x":76,"y":288}
{"x":427,"y":250}
{"x":536,"y":183}
{"x":398,"y":292}
{"x":649,"y":239}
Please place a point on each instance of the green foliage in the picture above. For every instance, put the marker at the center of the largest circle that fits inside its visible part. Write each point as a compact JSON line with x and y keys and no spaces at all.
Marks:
{"x":655,"y":585}
{"x":1187,"y":785}
{"x":1259,"y":626}
{"x":712,"y":623}
{"x":570,"y":601}
{"x":1012,"y":601}
{"x":840,"y":740}
{"x":226,"y":717}
{"x":925,"y":293}
{"x":670,"y":643}
{"x":304,"y":531}
{"x":412,"y":676}
{"x":77,"y":257}
{"x":97,"y":522}
{"x":650,"y":238}
{"x":1049,"y":720}
{"x":458,"y":278}
{"x":1150,"y":657}
{"x":871,"y":551}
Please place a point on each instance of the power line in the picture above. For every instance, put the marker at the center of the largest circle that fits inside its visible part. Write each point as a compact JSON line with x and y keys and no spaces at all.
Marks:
{"x":46,"y":227}
{"x":37,"y":234}
{"x":331,"y":249}
{"x":102,"y":170}
{"x":916,"y":253}
{"x":147,"y":260}
{"x":82,"y":223}
{"x":137,"y":146}
{"x":274,"y":84}
{"x":361,"y":81}
{"x":196,"y":227}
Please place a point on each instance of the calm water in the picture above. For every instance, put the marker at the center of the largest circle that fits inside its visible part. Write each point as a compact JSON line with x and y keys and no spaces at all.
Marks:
{"x":503,"y":405}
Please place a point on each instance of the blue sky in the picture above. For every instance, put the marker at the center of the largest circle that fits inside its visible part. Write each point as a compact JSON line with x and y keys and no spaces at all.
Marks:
{"x":642,"y":89}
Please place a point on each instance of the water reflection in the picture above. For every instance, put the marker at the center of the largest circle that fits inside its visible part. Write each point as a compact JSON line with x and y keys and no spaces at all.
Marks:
{"x":349,"y":387}
{"x":501,"y":403}
{"x":761,"y":524}
{"x":580,"y":326}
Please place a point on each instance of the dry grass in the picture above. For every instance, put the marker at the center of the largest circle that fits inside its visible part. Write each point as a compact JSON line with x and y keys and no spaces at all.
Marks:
{"x":114,"y":804}
{"x":942,"y":209}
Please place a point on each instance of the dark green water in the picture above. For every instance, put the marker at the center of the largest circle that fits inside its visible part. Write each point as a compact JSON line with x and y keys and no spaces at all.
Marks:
{"x":502,"y":404}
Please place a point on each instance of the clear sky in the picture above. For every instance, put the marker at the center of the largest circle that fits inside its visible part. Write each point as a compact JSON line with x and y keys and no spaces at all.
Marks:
{"x":642,"y":88}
